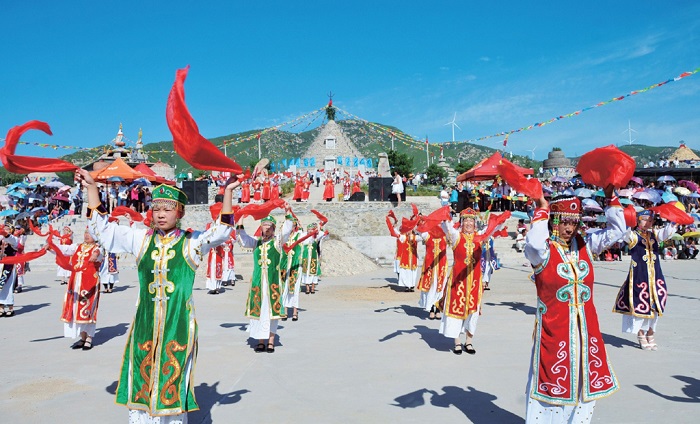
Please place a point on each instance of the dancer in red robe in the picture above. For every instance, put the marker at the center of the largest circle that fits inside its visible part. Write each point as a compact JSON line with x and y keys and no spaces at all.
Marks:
{"x":82,"y":296}
{"x":569,"y":368}
{"x":329,"y":190}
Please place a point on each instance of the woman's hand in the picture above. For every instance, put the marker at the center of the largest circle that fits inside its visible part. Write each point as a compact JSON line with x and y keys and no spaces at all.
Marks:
{"x":85,"y":177}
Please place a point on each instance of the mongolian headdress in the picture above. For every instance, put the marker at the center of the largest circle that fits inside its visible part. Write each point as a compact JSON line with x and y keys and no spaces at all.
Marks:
{"x":269,"y":219}
{"x":564,"y":208}
{"x":468,"y":213}
{"x":169,"y":194}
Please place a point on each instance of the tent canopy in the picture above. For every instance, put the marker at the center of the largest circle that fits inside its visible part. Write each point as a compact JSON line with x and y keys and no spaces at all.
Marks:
{"x":487,"y":169}
{"x":118,"y":168}
{"x":150,"y":174}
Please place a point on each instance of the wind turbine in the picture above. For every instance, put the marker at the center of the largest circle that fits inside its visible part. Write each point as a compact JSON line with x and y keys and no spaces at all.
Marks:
{"x":629,"y":131}
{"x":454,"y":124}
{"x":533,"y":152}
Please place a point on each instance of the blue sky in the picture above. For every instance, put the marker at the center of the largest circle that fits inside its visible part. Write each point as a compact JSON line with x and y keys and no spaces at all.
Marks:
{"x":86,"y":66}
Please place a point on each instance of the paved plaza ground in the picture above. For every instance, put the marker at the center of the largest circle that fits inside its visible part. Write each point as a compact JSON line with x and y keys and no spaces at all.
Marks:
{"x":361,"y":352}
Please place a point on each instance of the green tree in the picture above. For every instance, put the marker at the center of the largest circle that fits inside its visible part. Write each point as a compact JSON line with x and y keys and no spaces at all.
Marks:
{"x":463,"y":167}
{"x":436,"y":174}
{"x":400,"y":162}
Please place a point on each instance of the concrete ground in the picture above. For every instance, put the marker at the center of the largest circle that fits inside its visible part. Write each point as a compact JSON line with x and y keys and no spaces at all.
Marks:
{"x":361,"y":352}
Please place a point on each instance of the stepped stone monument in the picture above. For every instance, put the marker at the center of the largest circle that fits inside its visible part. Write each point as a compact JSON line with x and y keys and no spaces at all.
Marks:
{"x":330,"y":143}
{"x":557,"y":165}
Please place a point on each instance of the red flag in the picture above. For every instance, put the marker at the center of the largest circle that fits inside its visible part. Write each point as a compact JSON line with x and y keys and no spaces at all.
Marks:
{"x":671,"y":213}
{"x":61,"y":260}
{"x":261,"y":211}
{"x":630,"y":216}
{"x":123,"y":210}
{"x":26,"y":257}
{"x":36,"y":231}
{"x":215,"y":210}
{"x":606,"y":165}
{"x":287,"y":249}
{"x":530,"y":187}
{"x":187,"y":141}
{"x":407,"y":225}
{"x":320,"y":216}
{"x":431,"y":223}
{"x":29,"y":164}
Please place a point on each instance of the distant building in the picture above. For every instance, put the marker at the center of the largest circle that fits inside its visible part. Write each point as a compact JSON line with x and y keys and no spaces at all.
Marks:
{"x":132,"y":157}
{"x":329,"y":145}
{"x":557,"y":165}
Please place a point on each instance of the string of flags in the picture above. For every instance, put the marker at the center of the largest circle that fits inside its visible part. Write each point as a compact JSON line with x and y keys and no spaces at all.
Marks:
{"x":406,"y":139}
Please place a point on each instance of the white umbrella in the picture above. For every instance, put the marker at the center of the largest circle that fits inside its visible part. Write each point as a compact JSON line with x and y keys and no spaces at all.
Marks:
{"x":54,"y":184}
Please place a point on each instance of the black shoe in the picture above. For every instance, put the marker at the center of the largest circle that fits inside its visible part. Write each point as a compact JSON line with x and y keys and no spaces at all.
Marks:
{"x":270,"y":348}
{"x":78,"y":345}
{"x":295,"y":318}
{"x":469,"y":349}
{"x":457,"y":349}
{"x":213,"y":292}
{"x":87,"y":345}
{"x":260,"y":347}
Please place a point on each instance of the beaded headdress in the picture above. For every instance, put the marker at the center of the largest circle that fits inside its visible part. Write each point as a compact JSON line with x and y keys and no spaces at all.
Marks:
{"x":166,"y":193}
{"x":564,"y":208}
{"x":468,"y":213}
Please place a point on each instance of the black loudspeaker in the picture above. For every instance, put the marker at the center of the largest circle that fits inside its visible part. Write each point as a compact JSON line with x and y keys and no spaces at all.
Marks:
{"x":357,"y":197}
{"x":197,"y":192}
{"x":379,"y":189}
{"x":462,"y":201}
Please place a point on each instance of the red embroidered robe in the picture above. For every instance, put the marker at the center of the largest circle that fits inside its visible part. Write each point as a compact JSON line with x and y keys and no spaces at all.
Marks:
{"x":434,"y":263}
{"x":567,"y":335}
{"x":81,"y":306}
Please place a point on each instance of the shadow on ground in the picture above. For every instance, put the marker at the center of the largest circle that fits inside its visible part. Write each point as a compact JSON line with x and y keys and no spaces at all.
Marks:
{"x":412,"y":311}
{"x":105,"y":334}
{"x":477,"y":406}
{"x":691,"y":390}
{"x":25,"y":309}
{"x":207,"y":396}
{"x":516,"y":306}
{"x":430,"y":336}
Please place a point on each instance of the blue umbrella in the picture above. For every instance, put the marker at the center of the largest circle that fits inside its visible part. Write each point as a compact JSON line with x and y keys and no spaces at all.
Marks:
{"x":519,"y":215}
{"x":669,"y":197}
{"x":8,"y":212}
{"x":625,"y":201}
{"x":16,"y":185}
{"x":115,"y":179}
{"x":35,"y":210}
{"x":583,"y":192}
{"x":142,"y":181}
{"x":665,"y":178}
{"x":17,"y":194}
{"x":695,"y":216}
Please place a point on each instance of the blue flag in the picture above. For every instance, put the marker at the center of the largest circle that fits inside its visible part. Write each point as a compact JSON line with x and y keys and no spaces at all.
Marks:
{"x":284,"y":163}
{"x":306,"y":162}
{"x":354,"y":161}
{"x":369,"y":163}
{"x":340,"y":160}
{"x":347,"y":160}
{"x":312,"y":162}
{"x":362,"y":161}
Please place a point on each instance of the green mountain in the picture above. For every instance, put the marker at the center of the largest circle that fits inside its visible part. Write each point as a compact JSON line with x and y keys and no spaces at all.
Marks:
{"x":278,"y":145}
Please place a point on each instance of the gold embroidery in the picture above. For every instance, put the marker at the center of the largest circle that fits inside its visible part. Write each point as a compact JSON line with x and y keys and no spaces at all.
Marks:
{"x":144,"y":369}
{"x":172,"y":365}
{"x":255,"y":292}
{"x":275,"y":297}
